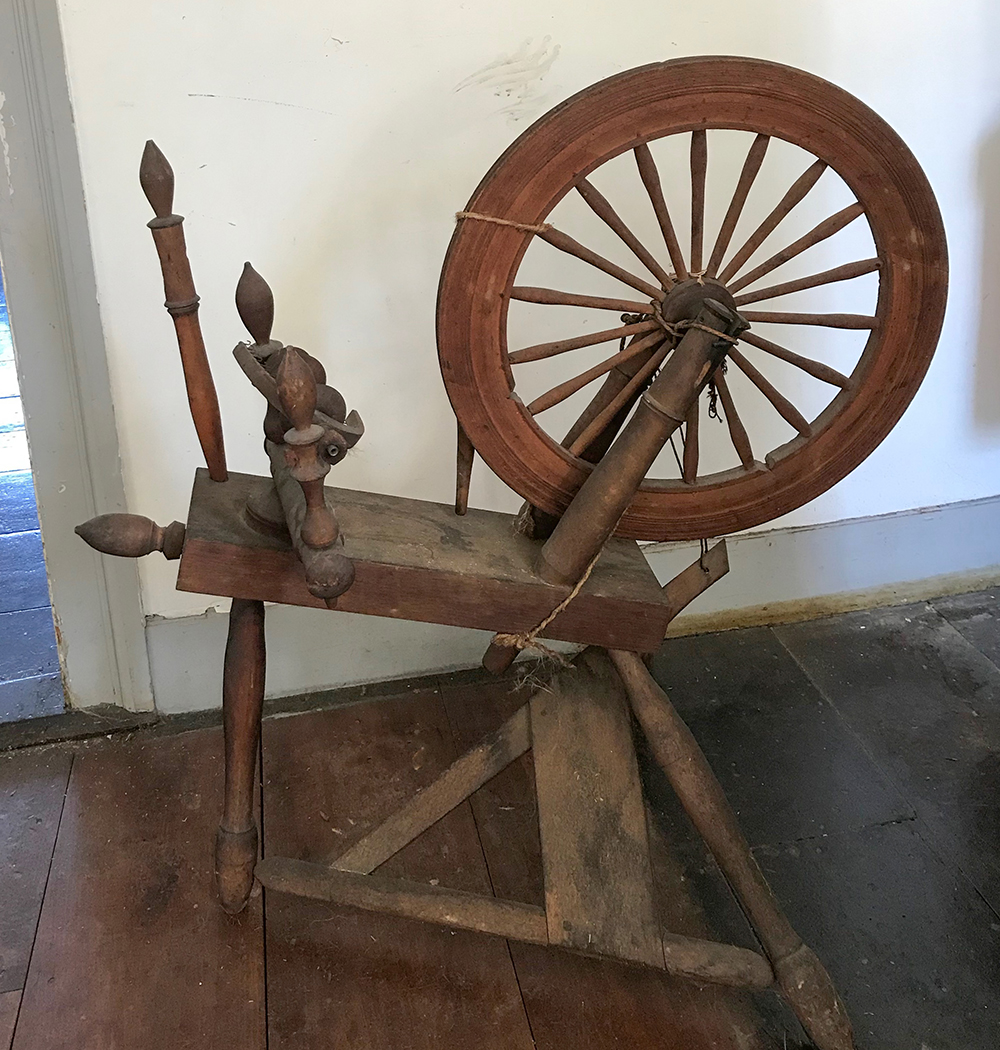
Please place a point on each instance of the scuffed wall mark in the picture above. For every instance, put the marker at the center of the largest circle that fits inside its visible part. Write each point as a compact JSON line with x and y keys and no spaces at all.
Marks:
{"x":263,"y":101}
{"x":5,"y":147}
{"x":516,"y":78}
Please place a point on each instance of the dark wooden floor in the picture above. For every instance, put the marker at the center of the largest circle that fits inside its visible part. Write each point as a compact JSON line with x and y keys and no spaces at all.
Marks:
{"x":862,"y":753}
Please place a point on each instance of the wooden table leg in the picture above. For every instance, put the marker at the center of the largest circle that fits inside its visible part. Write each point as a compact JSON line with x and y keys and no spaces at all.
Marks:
{"x":804,"y":982}
{"x":242,"y":699}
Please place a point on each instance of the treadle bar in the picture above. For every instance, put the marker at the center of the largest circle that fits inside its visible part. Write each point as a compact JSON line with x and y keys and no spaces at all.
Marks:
{"x":411,"y":900}
{"x":691,"y":957}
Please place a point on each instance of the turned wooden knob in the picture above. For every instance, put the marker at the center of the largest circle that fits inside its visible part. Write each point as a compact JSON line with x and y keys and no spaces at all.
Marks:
{"x":297,"y":393}
{"x":255,"y":305}
{"x":156,"y":178}
{"x":132,"y":536}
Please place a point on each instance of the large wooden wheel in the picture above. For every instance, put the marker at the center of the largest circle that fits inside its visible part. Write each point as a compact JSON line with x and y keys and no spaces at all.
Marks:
{"x":653,"y":113}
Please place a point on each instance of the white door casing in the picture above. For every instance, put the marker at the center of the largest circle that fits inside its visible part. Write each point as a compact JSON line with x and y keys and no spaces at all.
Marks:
{"x":62,"y":365}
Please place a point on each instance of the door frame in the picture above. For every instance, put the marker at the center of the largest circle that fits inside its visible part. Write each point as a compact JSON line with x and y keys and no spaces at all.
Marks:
{"x":62,"y":364}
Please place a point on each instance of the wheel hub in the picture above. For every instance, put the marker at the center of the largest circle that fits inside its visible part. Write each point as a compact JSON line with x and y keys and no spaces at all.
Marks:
{"x":684,"y":300}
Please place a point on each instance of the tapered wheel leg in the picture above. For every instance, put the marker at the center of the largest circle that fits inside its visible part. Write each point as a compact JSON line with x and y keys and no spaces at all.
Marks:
{"x":242,"y":699}
{"x":800,"y":975}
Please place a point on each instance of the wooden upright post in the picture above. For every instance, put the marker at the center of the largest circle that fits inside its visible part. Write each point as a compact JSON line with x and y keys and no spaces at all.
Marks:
{"x":157,"y":180}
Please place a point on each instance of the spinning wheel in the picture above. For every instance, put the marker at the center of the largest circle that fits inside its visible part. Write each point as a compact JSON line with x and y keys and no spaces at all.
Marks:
{"x":693,"y":313}
{"x":666,"y":279}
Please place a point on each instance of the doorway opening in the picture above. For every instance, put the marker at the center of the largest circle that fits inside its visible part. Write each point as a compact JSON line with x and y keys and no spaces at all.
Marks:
{"x":30,"y":679}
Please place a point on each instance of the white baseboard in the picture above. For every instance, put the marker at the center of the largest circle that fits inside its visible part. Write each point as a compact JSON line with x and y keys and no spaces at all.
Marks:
{"x":775,"y":577}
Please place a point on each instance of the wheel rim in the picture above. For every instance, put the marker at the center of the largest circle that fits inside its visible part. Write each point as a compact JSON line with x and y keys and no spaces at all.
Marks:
{"x":685,"y":98}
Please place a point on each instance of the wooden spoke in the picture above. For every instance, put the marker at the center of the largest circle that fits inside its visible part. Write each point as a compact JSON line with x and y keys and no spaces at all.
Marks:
{"x":551,"y":297}
{"x":602,"y":209}
{"x":827,"y":228}
{"x":820,"y":320}
{"x":737,"y":432}
{"x":565,"y":243}
{"x":814,"y":368}
{"x":542,"y":350}
{"x":788,"y":412}
{"x":802,"y":185}
{"x":838,"y":273}
{"x":751,"y":166}
{"x":559,"y":393}
{"x":622,"y":398}
{"x":699,"y":169}
{"x":690,"y":469}
{"x":651,"y":180}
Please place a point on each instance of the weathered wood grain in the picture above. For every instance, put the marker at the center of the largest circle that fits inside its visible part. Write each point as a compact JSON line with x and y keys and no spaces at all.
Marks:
{"x":573,"y":1000}
{"x":342,"y":977}
{"x":32,"y":786}
{"x":405,"y":898}
{"x":420,"y":561}
{"x":132,"y":948}
{"x":9,"y":1002}
{"x":598,"y":882}
{"x":682,"y":590}
{"x":454,"y":786}
{"x":244,"y":666}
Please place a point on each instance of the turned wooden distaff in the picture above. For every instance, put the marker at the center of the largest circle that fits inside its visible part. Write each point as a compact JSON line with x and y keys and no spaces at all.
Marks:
{"x":597,"y":508}
{"x":157,"y":180}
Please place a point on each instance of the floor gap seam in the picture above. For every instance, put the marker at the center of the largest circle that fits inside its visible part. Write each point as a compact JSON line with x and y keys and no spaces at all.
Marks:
{"x":263,"y":892}
{"x":45,"y":891}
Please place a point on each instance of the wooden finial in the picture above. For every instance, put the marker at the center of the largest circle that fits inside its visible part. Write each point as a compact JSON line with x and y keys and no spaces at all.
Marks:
{"x":156,"y":178}
{"x":255,"y":304}
{"x":297,"y":389}
{"x":297,"y":393}
{"x":132,"y":536}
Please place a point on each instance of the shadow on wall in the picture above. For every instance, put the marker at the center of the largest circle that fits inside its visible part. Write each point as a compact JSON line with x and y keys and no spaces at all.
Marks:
{"x":986,"y":377}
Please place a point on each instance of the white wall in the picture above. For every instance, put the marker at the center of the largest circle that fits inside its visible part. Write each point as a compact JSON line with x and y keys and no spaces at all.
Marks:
{"x":331,"y":144}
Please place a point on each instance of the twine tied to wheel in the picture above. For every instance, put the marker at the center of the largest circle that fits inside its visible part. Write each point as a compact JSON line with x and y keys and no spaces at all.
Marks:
{"x":526,"y":227}
{"x":678,"y":328}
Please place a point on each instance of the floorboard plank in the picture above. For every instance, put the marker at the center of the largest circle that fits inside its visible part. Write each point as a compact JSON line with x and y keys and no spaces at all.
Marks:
{"x":341,"y":977}
{"x":976,"y":617}
{"x":32,"y":786}
{"x":9,"y":1002}
{"x":913,"y":947}
{"x":572,"y":1000}
{"x":133,"y":951}
{"x":926,"y":704}
{"x":787,"y":763}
